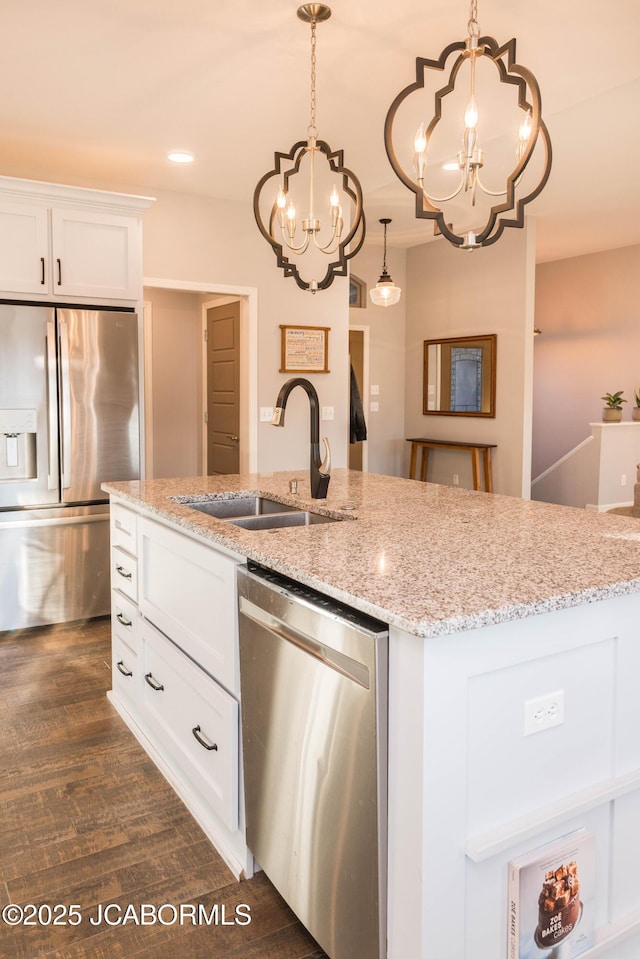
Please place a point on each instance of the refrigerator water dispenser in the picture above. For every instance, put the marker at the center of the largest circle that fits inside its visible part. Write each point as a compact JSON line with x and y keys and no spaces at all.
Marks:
{"x":18,"y":460}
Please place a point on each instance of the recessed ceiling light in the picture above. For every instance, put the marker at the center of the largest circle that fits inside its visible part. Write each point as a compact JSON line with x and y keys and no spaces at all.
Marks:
{"x":180,"y":157}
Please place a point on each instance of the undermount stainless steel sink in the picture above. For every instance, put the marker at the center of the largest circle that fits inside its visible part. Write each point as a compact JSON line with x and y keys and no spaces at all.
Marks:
{"x":238,"y":506}
{"x":280,"y":520}
{"x":257,"y":512}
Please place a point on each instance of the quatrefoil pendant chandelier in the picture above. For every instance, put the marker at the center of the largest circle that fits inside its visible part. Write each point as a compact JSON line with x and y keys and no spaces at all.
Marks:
{"x":319,"y":250}
{"x":484,"y":153}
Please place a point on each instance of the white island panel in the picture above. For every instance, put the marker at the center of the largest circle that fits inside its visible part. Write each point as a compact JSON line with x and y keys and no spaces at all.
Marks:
{"x":468,"y":791}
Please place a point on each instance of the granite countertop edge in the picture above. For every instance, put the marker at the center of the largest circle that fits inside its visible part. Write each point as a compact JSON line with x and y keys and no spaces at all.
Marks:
{"x":290,"y":556}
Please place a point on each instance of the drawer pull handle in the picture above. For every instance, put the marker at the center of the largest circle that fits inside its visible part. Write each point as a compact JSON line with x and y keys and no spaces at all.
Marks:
{"x":59,"y":272}
{"x":123,"y":572}
{"x":154,"y":685}
{"x":123,"y":669}
{"x":42,"y":277}
{"x":123,"y":619}
{"x":196,"y":732}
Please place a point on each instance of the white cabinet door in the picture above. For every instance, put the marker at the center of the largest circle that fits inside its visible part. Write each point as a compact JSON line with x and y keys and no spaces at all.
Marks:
{"x":188,"y":590}
{"x":24,"y":250}
{"x":95,"y":254}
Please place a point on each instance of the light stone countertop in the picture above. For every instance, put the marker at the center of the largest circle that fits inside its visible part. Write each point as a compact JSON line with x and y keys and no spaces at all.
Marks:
{"x":429,"y":559}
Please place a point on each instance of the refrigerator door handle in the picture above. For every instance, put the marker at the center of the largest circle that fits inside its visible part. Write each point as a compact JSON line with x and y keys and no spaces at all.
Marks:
{"x":52,"y":405}
{"x":65,"y":404}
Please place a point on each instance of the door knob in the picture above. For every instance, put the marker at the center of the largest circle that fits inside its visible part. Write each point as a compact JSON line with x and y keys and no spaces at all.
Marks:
{"x":232,"y":436}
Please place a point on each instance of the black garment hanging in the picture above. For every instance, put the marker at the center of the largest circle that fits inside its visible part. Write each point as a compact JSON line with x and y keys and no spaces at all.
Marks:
{"x":357,"y":425}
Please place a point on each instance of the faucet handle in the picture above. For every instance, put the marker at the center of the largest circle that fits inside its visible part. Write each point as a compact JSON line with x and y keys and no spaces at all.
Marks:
{"x":325,"y":466}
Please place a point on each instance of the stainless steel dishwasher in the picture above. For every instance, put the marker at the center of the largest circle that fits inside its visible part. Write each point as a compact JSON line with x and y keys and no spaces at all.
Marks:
{"x":314,"y":734}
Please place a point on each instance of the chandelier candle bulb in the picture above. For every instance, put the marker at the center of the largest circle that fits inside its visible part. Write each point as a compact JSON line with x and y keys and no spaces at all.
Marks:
{"x":471,"y":114}
{"x":523,"y":135}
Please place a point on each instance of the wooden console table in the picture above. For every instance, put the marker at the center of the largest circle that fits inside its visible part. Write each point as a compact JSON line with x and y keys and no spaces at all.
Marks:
{"x":474,"y":448}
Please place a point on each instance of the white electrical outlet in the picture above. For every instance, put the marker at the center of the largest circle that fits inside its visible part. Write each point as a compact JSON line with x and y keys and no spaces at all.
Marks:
{"x":544,"y":712}
{"x":456,"y":479}
{"x":374,"y":407}
{"x":375,"y":390}
{"x":266,"y":414}
{"x":623,"y":479}
{"x":327,"y":412}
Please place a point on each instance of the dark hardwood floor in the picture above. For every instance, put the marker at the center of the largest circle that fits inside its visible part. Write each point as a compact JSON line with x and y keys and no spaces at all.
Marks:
{"x":87,"y":820}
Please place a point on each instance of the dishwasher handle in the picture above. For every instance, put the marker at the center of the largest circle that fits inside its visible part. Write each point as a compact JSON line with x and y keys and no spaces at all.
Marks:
{"x":332,"y":658}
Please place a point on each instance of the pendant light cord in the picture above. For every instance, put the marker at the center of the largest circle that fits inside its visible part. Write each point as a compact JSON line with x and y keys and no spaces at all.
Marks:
{"x":473,"y":26}
{"x":311,"y":129}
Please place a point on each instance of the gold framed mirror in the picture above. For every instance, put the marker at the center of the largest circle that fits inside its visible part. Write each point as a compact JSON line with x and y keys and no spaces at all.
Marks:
{"x":460,"y":376}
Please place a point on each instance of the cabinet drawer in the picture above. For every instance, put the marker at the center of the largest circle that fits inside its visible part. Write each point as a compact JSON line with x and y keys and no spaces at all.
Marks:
{"x":124,"y":620}
{"x":198,"y":720}
{"x":188,"y":590}
{"x":126,"y":677}
{"x":124,"y":528}
{"x":124,"y":573}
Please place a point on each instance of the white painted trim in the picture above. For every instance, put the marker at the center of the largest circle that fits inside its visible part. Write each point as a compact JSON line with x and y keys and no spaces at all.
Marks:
{"x":87,"y":197}
{"x":605,"y":507}
{"x":613,"y":935}
{"x":204,"y":445}
{"x":146,"y":416}
{"x":193,"y":286}
{"x":248,"y":296}
{"x":489,"y":844}
{"x":563,"y":459}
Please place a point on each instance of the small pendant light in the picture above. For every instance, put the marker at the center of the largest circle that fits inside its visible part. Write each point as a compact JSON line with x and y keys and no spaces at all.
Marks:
{"x":385,"y":292}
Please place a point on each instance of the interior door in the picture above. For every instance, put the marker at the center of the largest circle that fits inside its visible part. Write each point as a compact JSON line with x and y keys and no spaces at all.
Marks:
{"x":223,"y":389}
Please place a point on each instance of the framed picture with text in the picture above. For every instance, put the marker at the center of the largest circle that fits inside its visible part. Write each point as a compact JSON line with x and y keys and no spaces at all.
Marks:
{"x":305,"y":349}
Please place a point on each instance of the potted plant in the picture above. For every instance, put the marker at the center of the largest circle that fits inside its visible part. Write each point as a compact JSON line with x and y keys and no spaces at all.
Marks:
{"x":612,"y":413}
{"x":635,"y":410}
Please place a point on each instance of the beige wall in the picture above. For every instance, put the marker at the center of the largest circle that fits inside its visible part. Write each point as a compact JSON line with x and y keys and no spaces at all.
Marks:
{"x":176,"y":385}
{"x":454,"y":293}
{"x":588,"y":309}
{"x":385,"y":429}
{"x":203,"y":240}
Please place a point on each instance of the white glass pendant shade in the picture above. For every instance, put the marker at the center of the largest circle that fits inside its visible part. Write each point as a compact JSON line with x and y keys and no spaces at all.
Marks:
{"x":385,"y":292}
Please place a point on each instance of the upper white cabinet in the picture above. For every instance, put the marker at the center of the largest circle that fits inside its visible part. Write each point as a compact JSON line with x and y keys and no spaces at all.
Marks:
{"x":24,"y":248}
{"x":94,"y":254}
{"x":69,"y":243}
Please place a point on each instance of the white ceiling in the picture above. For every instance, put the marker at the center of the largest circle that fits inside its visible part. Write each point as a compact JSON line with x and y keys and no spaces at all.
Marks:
{"x":103,"y":91}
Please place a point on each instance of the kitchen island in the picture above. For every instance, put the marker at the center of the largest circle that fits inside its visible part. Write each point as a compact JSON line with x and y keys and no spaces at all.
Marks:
{"x":495,"y":605}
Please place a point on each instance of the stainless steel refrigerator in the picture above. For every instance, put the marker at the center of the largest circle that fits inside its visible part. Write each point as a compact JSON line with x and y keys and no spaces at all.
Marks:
{"x":69,"y":421}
